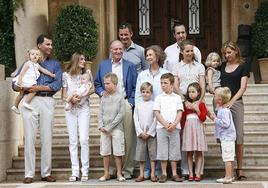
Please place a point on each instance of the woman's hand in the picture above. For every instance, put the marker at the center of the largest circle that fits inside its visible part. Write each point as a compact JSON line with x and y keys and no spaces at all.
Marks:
{"x":229,"y":104}
{"x":75,"y":99}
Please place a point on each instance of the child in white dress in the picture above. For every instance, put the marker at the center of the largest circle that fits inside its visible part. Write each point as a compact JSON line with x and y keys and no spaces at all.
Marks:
{"x":27,"y":78}
{"x":81,"y":91}
{"x":213,"y":76}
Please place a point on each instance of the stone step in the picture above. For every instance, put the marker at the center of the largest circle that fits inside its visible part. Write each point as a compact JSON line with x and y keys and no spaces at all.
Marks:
{"x":248,"y":126}
{"x":252,"y":172}
{"x":249,"y":97}
{"x":258,"y":136}
{"x":248,"y":160}
{"x":249,"y":106}
{"x":15,"y":174}
{"x":59,"y":139}
{"x":59,"y":162}
{"x":249,"y":148}
{"x":60,"y":118}
{"x":61,"y":150}
{"x":257,"y":88}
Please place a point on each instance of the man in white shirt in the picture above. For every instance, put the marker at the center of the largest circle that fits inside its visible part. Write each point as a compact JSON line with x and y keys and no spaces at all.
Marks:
{"x":173,"y":51}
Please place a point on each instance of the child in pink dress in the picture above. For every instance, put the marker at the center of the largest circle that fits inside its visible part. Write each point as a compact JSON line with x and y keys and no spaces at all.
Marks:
{"x":194,"y":140}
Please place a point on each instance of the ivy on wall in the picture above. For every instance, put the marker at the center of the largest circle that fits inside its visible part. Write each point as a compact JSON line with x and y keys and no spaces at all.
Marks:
{"x":7,"y":48}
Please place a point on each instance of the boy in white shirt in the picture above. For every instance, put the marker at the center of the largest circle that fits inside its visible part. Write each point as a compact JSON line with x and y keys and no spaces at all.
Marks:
{"x":168,"y":109}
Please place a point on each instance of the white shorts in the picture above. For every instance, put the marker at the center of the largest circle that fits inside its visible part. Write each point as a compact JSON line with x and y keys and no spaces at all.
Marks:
{"x":227,"y":150}
{"x":112,"y":142}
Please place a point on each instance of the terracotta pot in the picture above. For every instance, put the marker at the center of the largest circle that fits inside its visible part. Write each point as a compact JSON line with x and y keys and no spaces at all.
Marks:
{"x":263,"y":63}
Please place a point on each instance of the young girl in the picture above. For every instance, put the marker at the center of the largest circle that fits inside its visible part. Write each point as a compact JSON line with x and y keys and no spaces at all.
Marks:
{"x":145,"y":125}
{"x":213,"y":76}
{"x":225,"y":132}
{"x":81,"y":91}
{"x":194,"y":140}
{"x":27,"y":78}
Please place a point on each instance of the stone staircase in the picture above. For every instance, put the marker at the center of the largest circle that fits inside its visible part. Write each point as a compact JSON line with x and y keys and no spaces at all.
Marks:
{"x":256,"y":142}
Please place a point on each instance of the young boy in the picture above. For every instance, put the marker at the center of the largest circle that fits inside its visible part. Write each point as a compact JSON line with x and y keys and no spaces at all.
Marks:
{"x":225,"y":131}
{"x":111,"y":113}
{"x":168,"y":109}
{"x":145,"y":125}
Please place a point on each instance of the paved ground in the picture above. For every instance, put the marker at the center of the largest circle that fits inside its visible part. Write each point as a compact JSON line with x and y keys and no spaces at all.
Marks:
{"x":133,"y":184}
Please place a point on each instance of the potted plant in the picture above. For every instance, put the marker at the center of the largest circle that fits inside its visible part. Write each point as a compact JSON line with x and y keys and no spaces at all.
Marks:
{"x":75,"y":31}
{"x":260,"y":39}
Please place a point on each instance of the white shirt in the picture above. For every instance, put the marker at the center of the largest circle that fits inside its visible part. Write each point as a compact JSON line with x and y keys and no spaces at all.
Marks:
{"x":144,"y":118}
{"x":117,"y":68}
{"x":168,"y":105}
{"x":188,"y":73}
{"x":173,"y":53}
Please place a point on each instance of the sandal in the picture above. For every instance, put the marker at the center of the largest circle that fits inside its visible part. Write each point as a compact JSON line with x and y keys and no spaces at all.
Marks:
{"x":240,"y":177}
{"x":153,"y":179}
{"x":121,"y":179}
{"x":73,"y":179}
{"x":104,"y":178}
{"x":84,"y":178}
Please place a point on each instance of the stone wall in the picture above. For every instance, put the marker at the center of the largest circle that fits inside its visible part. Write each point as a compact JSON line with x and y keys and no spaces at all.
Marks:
{"x":11,"y":128}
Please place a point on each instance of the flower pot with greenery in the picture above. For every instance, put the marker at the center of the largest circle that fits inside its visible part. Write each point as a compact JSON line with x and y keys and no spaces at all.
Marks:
{"x":75,"y":31}
{"x":260,"y":39}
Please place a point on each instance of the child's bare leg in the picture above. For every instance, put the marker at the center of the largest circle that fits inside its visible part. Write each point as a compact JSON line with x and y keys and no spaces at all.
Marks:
{"x":106,"y":162}
{"x":152,"y":168}
{"x":118,"y":164}
{"x":228,"y":170}
{"x":142,"y":166}
{"x":19,"y":98}
{"x":199,"y":162}
{"x":30,"y":97}
{"x":174,"y":168}
{"x":190,"y":162}
{"x":164,"y":168}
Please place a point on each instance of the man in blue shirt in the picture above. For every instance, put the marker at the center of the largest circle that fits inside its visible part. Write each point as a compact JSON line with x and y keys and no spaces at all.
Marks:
{"x":43,"y":114}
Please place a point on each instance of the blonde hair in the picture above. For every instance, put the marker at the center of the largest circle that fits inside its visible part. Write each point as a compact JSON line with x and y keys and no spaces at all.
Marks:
{"x":224,"y":93}
{"x":113,"y":77}
{"x":146,"y":85}
{"x":30,"y":51}
{"x":212,"y":56}
{"x":233,"y":46}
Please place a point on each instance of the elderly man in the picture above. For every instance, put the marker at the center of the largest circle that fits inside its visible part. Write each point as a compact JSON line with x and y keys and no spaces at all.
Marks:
{"x":173,"y":51}
{"x":43,"y":114}
{"x":127,"y":76}
{"x":133,"y":52}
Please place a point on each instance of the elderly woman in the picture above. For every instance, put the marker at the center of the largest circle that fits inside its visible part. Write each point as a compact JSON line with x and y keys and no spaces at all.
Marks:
{"x":155,"y":57}
{"x":234,"y":75}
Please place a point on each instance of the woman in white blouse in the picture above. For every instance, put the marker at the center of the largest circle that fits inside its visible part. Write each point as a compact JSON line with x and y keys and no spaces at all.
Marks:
{"x":78,"y":117}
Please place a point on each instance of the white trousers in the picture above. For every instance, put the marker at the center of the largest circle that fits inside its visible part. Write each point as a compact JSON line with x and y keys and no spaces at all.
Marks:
{"x":41,"y":117}
{"x":77,"y":120}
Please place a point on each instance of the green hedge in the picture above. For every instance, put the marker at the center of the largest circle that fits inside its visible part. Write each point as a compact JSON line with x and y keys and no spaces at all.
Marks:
{"x":7,"y":48}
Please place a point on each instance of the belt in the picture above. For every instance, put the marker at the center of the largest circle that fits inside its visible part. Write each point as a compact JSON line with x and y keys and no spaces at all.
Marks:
{"x":44,"y":94}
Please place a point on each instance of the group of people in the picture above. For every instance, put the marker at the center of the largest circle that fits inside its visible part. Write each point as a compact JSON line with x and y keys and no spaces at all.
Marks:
{"x":152,"y":108}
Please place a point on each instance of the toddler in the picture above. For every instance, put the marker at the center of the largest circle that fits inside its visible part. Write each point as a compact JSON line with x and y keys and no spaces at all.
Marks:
{"x":81,"y":91}
{"x":145,"y":125}
{"x":27,"y":78}
{"x":213,"y":76}
{"x":225,"y":132}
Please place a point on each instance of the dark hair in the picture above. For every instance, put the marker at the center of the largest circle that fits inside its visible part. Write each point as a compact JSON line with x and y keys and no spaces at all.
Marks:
{"x":40,"y":39}
{"x":125,"y":25}
{"x":182,"y":47}
{"x":198,"y":89}
{"x":168,"y":76}
{"x":159,"y":53}
{"x":177,"y":23}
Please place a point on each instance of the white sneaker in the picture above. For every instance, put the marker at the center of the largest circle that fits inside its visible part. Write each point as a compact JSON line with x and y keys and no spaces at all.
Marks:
{"x":224,"y":181}
{"x":84,"y":178}
{"x":15,"y":109}
{"x":73,"y":179}
{"x":26,"y":105}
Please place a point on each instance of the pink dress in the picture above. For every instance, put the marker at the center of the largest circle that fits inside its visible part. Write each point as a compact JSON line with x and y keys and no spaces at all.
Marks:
{"x":194,"y":138}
